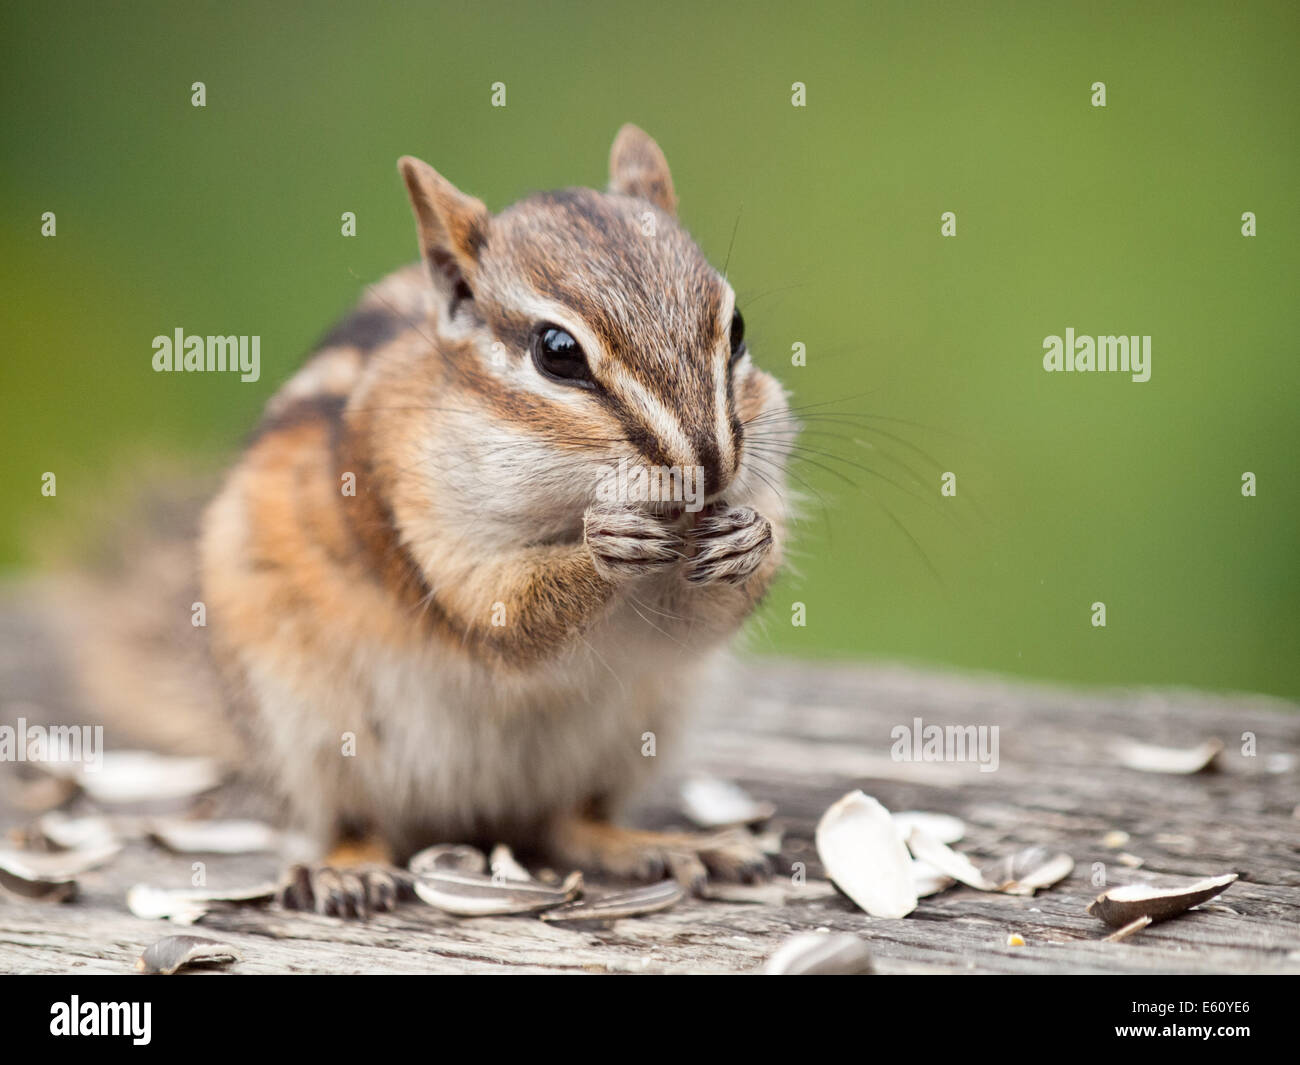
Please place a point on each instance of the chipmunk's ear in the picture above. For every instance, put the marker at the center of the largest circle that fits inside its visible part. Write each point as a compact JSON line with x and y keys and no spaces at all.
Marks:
{"x":637,"y":167}
{"x":452,"y":227}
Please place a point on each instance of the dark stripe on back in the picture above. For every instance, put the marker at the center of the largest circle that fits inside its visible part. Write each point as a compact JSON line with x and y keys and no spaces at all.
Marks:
{"x":366,"y":330}
{"x":321,"y":407}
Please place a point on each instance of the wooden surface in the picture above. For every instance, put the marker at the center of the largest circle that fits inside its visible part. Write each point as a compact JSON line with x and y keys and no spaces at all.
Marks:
{"x":802,"y":735}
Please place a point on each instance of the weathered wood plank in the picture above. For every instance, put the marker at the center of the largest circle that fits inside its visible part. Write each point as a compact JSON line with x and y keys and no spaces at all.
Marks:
{"x":801,"y":735}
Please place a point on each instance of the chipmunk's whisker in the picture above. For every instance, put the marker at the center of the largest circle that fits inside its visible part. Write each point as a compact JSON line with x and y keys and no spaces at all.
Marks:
{"x":782,"y":470}
{"x":734,"y":229}
{"x":777,"y":423}
{"x":633,"y":602}
{"x":748,"y":298}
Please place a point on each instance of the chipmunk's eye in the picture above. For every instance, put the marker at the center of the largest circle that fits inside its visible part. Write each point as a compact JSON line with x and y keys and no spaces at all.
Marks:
{"x":738,"y":348}
{"x":557,"y":356}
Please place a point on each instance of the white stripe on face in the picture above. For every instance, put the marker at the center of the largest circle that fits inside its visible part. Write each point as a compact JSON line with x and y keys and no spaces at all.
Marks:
{"x":725,"y":437}
{"x":540,"y":309}
{"x":660,"y":420}
{"x":523,"y":375}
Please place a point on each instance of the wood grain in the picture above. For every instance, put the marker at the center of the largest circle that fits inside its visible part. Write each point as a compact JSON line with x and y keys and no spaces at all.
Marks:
{"x":801,"y":735}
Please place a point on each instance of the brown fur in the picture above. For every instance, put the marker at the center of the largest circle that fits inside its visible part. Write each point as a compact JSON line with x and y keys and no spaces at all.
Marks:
{"x":375,"y":615}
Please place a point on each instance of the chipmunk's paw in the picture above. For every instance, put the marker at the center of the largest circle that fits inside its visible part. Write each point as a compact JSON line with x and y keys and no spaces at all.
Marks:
{"x":628,"y":542}
{"x":344,"y":893}
{"x":729,"y":543}
{"x":735,"y":856}
{"x":636,"y":854}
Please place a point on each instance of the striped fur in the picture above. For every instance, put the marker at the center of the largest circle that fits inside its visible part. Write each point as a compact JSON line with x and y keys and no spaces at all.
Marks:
{"x":374,"y":615}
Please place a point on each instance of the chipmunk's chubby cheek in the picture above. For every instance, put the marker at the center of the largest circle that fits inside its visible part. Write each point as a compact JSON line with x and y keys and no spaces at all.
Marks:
{"x":505,"y":483}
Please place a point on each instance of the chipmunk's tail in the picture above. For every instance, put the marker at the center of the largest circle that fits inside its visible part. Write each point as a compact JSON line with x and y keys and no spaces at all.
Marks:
{"x":131,"y":627}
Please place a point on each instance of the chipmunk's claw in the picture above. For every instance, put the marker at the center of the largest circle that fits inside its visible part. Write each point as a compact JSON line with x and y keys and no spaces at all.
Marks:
{"x":728,"y":546}
{"x":724,"y":857}
{"x":626,"y":541}
{"x":345,"y":893}
{"x":735,"y":856}
{"x":690,"y":858}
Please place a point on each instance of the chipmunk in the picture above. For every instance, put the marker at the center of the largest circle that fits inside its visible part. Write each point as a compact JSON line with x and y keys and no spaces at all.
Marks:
{"x":413,"y":558}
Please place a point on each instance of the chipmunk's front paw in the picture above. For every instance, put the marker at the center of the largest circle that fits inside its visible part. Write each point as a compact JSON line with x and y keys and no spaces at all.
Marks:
{"x":628,"y":542}
{"x":345,"y":893}
{"x":729,"y":543}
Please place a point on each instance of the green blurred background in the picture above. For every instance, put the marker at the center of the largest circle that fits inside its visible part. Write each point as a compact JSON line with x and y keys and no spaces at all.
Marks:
{"x":925,"y":352}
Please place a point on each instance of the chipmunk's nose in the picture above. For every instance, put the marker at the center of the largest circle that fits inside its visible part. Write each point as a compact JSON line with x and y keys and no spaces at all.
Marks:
{"x":714,"y":479}
{"x":719,"y":460}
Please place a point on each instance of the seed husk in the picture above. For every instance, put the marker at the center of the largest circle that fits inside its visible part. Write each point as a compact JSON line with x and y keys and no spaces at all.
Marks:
{"x":945,"y":860}
{"x":504,"y":866}
{"x":864,"y":854}
{"x":140,"y":776}
{"x":173,"y":953}
{"x":92,"y":830}
{"x":1119,"y":906}
{"x":714,"y":803}
{"x":943,"y":827}
{"x":928,"y":880}
{"x":775,"y":892}
{"x":29,"y":885}
{"x":477,"y":895}
{"x":1028,"y":870}
{"x":820,"y":954}
{"x":1022,"y":873}
{"x":634,"y":903}
{"x":454,"y":856}
{"x":56,"y":865}
{"x":185,"y":906}
{"x":1150,"y":758}
{"x":771,"y":893}
{"x":186,"y":836}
